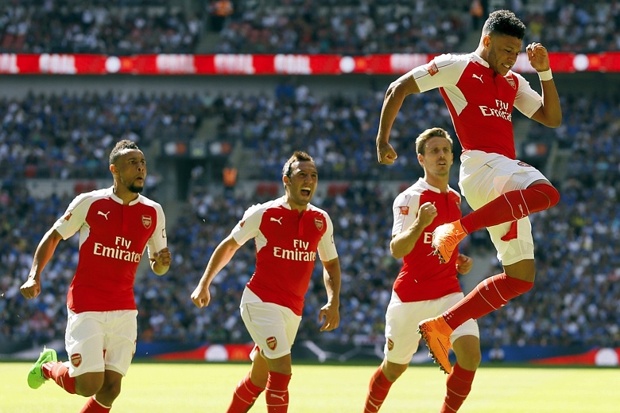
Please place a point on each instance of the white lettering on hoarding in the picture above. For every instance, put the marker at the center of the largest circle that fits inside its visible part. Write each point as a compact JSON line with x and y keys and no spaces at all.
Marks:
{"x":8,"y":63}
{"x":234,"y":63}
{"x":294,"y":64}
{"x":57,"y":63}
{"x":175,"y":63}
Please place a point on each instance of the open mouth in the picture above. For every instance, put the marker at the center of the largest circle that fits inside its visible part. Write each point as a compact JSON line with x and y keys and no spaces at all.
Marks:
{"x":305,"y":192}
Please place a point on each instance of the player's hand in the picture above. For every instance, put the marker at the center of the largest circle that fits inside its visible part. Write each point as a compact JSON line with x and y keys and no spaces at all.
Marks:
{"x":464,"y":264}
{"x":538,"y":56}
{"x":329,"y":316}
{"x":426,"y":214}
{"x":163,"y":258}
{"x":385,"y":153}
{"x":30,"y":289}
{"x":201,"y":296}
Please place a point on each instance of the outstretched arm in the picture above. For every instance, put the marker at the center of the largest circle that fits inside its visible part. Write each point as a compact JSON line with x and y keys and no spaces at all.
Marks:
{"x":44,"y":252}
{"x":221,"y":256}
{"x":392,"y":102}
{"x":550,"y":113}
{"x":330,"y":312}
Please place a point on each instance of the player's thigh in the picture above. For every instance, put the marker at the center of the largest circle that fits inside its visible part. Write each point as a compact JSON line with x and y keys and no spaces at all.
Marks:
{"x":272,"y":327}
{"x":120,"y":342}
{"x":485,"y":176}
{"x":401,"y":327}
{"x":519,"y":247}
{"x":84,"y":342}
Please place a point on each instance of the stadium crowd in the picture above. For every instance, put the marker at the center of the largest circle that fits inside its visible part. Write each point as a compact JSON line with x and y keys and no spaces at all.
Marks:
{"x":575,"y":300}
{"x":577,"y":294}
{"x":121,"y":27}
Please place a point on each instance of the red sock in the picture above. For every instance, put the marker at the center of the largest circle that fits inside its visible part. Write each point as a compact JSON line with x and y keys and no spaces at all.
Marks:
{"x":59,"y":372}
{"x":244,"y":397}
{"x":93,"y":406}
{"x":511,"y":206}
{"x":277,"y":392}
{"x":458,"y":387}
{"x":489,"y":295}
{"x":377,"y":391}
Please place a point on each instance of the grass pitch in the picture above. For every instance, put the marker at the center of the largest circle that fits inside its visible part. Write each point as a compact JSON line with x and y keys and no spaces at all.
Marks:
{"x":207,"y":388}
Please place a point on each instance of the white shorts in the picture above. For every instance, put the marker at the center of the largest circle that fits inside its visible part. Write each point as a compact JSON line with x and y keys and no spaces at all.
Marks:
{"x":98,"y":341}
{"x":485,"y":176}
{"x":272,"y":327}
{"x":401,"y":325}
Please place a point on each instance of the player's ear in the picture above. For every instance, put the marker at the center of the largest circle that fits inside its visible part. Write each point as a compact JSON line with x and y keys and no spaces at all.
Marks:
{"x":113,"y":169}
{"x":421,"y":159}
{"x":286,"y":180}
{"x":486,"y":40}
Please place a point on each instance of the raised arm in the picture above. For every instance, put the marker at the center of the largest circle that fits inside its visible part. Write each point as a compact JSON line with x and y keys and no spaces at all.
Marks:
{"x":392,"y":102}
{"x":550,"y":113}
{"x":403,"y":243}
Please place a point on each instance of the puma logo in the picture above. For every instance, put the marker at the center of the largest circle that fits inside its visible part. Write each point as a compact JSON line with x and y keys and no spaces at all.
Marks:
{"x":105,"y":215}
{"x":278,"y":396}
{"x":278,"y":220}
{"x":479,"y":77}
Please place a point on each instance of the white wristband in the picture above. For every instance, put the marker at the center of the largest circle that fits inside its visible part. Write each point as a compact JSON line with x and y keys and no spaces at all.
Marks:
{"x":546,"y":75}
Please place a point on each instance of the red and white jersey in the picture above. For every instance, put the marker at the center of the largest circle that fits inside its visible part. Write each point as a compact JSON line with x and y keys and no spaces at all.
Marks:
{"x":287,"y":242}
{"x":422,"y":277}
{"x":479,"y":100}
{"x":112,"y":240}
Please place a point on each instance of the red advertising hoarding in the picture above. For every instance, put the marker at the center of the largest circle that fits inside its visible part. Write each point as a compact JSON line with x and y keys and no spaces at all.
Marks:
{"x":247,"y":64}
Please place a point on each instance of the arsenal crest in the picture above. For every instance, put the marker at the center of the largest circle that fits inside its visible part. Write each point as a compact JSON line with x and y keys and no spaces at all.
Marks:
{"x":404,"y":210}
{"x":76,"y":360}
{"x":272,"y":343}
{"x":318,"y":223}
{"x":511,"y":82}
{"x":432,"y":68}
{"x":146,"y":221}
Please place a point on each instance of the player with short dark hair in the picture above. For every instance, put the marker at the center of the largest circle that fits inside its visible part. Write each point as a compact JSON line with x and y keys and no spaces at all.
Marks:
{"x":288,"y":232}
{"x":480,"y":91}
{"x":115,"y":226}
{"x":424,"y":287}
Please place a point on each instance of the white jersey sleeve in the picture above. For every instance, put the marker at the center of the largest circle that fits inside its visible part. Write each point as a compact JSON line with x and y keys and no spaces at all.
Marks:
{"x":158,"y":240}
{"x":75,"y":216}
{"x":327,"y":248}
{"x":527,"y":101}
{"x":249,"y":225}
{"x":444,"y":70}
{"x":405,"y":210}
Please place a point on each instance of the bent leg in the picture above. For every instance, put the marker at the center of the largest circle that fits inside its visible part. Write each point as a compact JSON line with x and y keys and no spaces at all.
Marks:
{"x":251,"y":386}
{"x":380,"y":384}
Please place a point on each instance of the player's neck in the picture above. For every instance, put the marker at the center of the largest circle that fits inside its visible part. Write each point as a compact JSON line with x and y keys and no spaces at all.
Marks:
{"x":438,"y":182}
{"x":125,"y":194}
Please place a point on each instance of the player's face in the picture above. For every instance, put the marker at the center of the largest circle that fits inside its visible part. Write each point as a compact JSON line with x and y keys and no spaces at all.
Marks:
{"x":300,"y":186}
{"x":438,"y":157}
{"x":131,"y":170}
{"x":502,"y":52}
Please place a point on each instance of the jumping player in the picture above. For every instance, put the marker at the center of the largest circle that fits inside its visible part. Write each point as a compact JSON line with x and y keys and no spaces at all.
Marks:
{"x":480,"y":91}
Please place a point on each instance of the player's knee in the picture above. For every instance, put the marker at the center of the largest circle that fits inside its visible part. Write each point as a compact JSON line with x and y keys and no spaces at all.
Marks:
{"x":519,"y":286}
{"x":87,"y":388}
{"x":552,"y":194}
{"x":393,"y":371}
